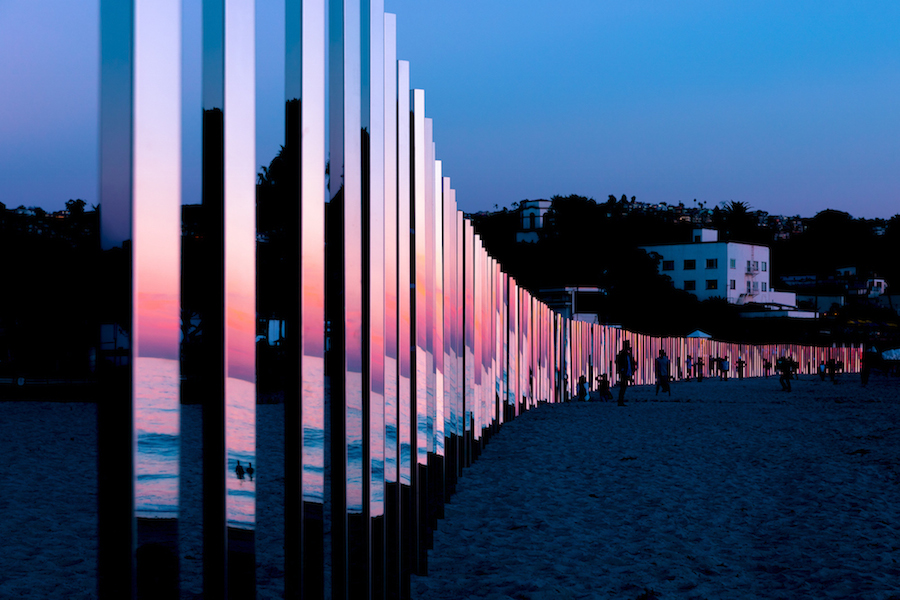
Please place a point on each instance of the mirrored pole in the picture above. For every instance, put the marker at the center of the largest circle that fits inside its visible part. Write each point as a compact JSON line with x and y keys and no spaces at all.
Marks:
{"x":391,"y":358}
{"x":405,"y":340}
{"x":345,"y":290}
{"x":240,"y":295}
{"x":460,"y":339}
{"x":430,"y":363}
{"x":377,"y":269}
{"x":478,"y":309}
{"x":138,"y":370}
{"x":441,"y":184}
{"x":419,"y":324}
{"x":305,"y":29}
{"x":504,"y":341}
{"x":469,"y":339}
{"x":451,"y":372}
{"x":513,"y":337}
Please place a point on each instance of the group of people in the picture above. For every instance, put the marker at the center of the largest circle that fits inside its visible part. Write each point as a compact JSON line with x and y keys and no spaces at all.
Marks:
{"x":786,"y":367}
{"x":240,"y":471}
{"x":626,"y":368}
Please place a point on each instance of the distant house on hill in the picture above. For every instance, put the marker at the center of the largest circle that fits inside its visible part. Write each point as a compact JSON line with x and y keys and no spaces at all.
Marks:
{"x":531,"y":220}
{"x":708,"y":268}
{"x":579,"y":303}
{"x":843,"y":287}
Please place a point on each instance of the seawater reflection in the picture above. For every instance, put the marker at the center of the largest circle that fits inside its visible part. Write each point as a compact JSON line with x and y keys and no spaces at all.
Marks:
{"x":240,"y":419}
{"x":158,"y":444}
{"x":158,"y":437}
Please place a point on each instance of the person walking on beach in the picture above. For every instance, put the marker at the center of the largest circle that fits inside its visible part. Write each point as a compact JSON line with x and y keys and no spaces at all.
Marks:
{"x":700,"y":370}
{"x":239,"y":470}
{"x":723,"y":369}
{"x":626,"y":368}
{"x":832,"y":370}
{"x":767,"y":366}
{"x":740,"y":367}
{"x":689,"y":366}
{"x":865,"y":368}
{"x":783,"y":367}
{"x":662,"y":373}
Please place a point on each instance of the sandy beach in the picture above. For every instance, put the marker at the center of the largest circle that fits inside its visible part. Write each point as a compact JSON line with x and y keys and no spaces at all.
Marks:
{"x":723,"y":490}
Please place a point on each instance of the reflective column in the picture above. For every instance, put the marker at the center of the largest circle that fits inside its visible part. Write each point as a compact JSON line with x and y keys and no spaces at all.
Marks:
{"x":430,"y":359}
{"x":304,"y":151}
{"x":137,"y":366}
{"x":420,"y":326}
{"x":405,"y":341}
{"x":451,"y":333}
{"x":227,"y":375}
{"x":469,"y":311}
{"x":344,"y":287}
{"x":437,"y":471}
{"x":375,"y":209}
{"x":391,"y":359}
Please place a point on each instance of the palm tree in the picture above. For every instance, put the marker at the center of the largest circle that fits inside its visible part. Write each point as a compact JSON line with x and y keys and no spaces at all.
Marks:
{"x":738,"y":222}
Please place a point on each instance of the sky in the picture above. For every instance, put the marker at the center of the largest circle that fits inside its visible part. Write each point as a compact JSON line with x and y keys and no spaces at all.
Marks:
{"x":790,"y":107}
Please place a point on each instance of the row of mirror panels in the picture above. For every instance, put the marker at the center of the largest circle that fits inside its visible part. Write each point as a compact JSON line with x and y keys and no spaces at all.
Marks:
{"x":392,"y":367}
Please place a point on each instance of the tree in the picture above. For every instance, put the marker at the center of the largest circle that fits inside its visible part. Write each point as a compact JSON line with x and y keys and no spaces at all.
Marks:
{"x":738,"y":222}
{"x":75,"y":207}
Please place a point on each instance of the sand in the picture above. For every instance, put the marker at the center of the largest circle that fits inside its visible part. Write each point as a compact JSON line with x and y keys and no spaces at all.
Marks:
{"x":723,"y":490}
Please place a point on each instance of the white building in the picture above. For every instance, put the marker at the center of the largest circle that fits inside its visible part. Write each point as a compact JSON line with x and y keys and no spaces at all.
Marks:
{"x":708,"y":268}
{"x":532,"y":219}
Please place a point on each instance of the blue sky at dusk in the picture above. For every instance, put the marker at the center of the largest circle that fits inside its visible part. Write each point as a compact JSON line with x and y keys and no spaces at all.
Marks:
{"x":790,"y":107}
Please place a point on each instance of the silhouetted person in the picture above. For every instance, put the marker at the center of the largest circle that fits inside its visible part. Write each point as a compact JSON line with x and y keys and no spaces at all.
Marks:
{"x":784,"y":366}
{"x":767,"y":366}
{"x":689,"y":366}
{"x":822,"y":370}
{"x":582,"y":388}
{"x":626,"y":368}
{"x":250,"y":471}
{"x":603,"y":385}
{"x":832,"y":370}
{"x":868,"y":359}
{"x":723,"y":368}
{"x":239,"y":470}
{"x":661,"y":368}
{"x":740,"y":367}
{"x":700,"y":370}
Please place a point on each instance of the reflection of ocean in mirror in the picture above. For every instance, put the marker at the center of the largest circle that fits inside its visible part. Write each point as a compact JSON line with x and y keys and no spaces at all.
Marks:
{"x":158,"y":426}
{"x":240,"y":438}
{"x":157,"y":419}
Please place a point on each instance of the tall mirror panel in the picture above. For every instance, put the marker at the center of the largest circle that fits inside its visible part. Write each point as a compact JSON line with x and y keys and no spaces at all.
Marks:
{"x":344,"y":295}
{"x":240,"y":295}
{"x":405,"y":341}
{"x":138,"y":352}
{"x":439,"y":347}
{"x":420,"y":334}
{"x":375,"y":209}
{"x":391,"y":359}
{"x":469,"y":339}
{"x":298,"y":225}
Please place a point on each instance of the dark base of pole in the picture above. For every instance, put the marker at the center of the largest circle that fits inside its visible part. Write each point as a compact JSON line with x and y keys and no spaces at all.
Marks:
{"x":157,"y":558}
{"x":407,"y":531}
{"x":392,"y":541}
{"x":241,"y":564}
